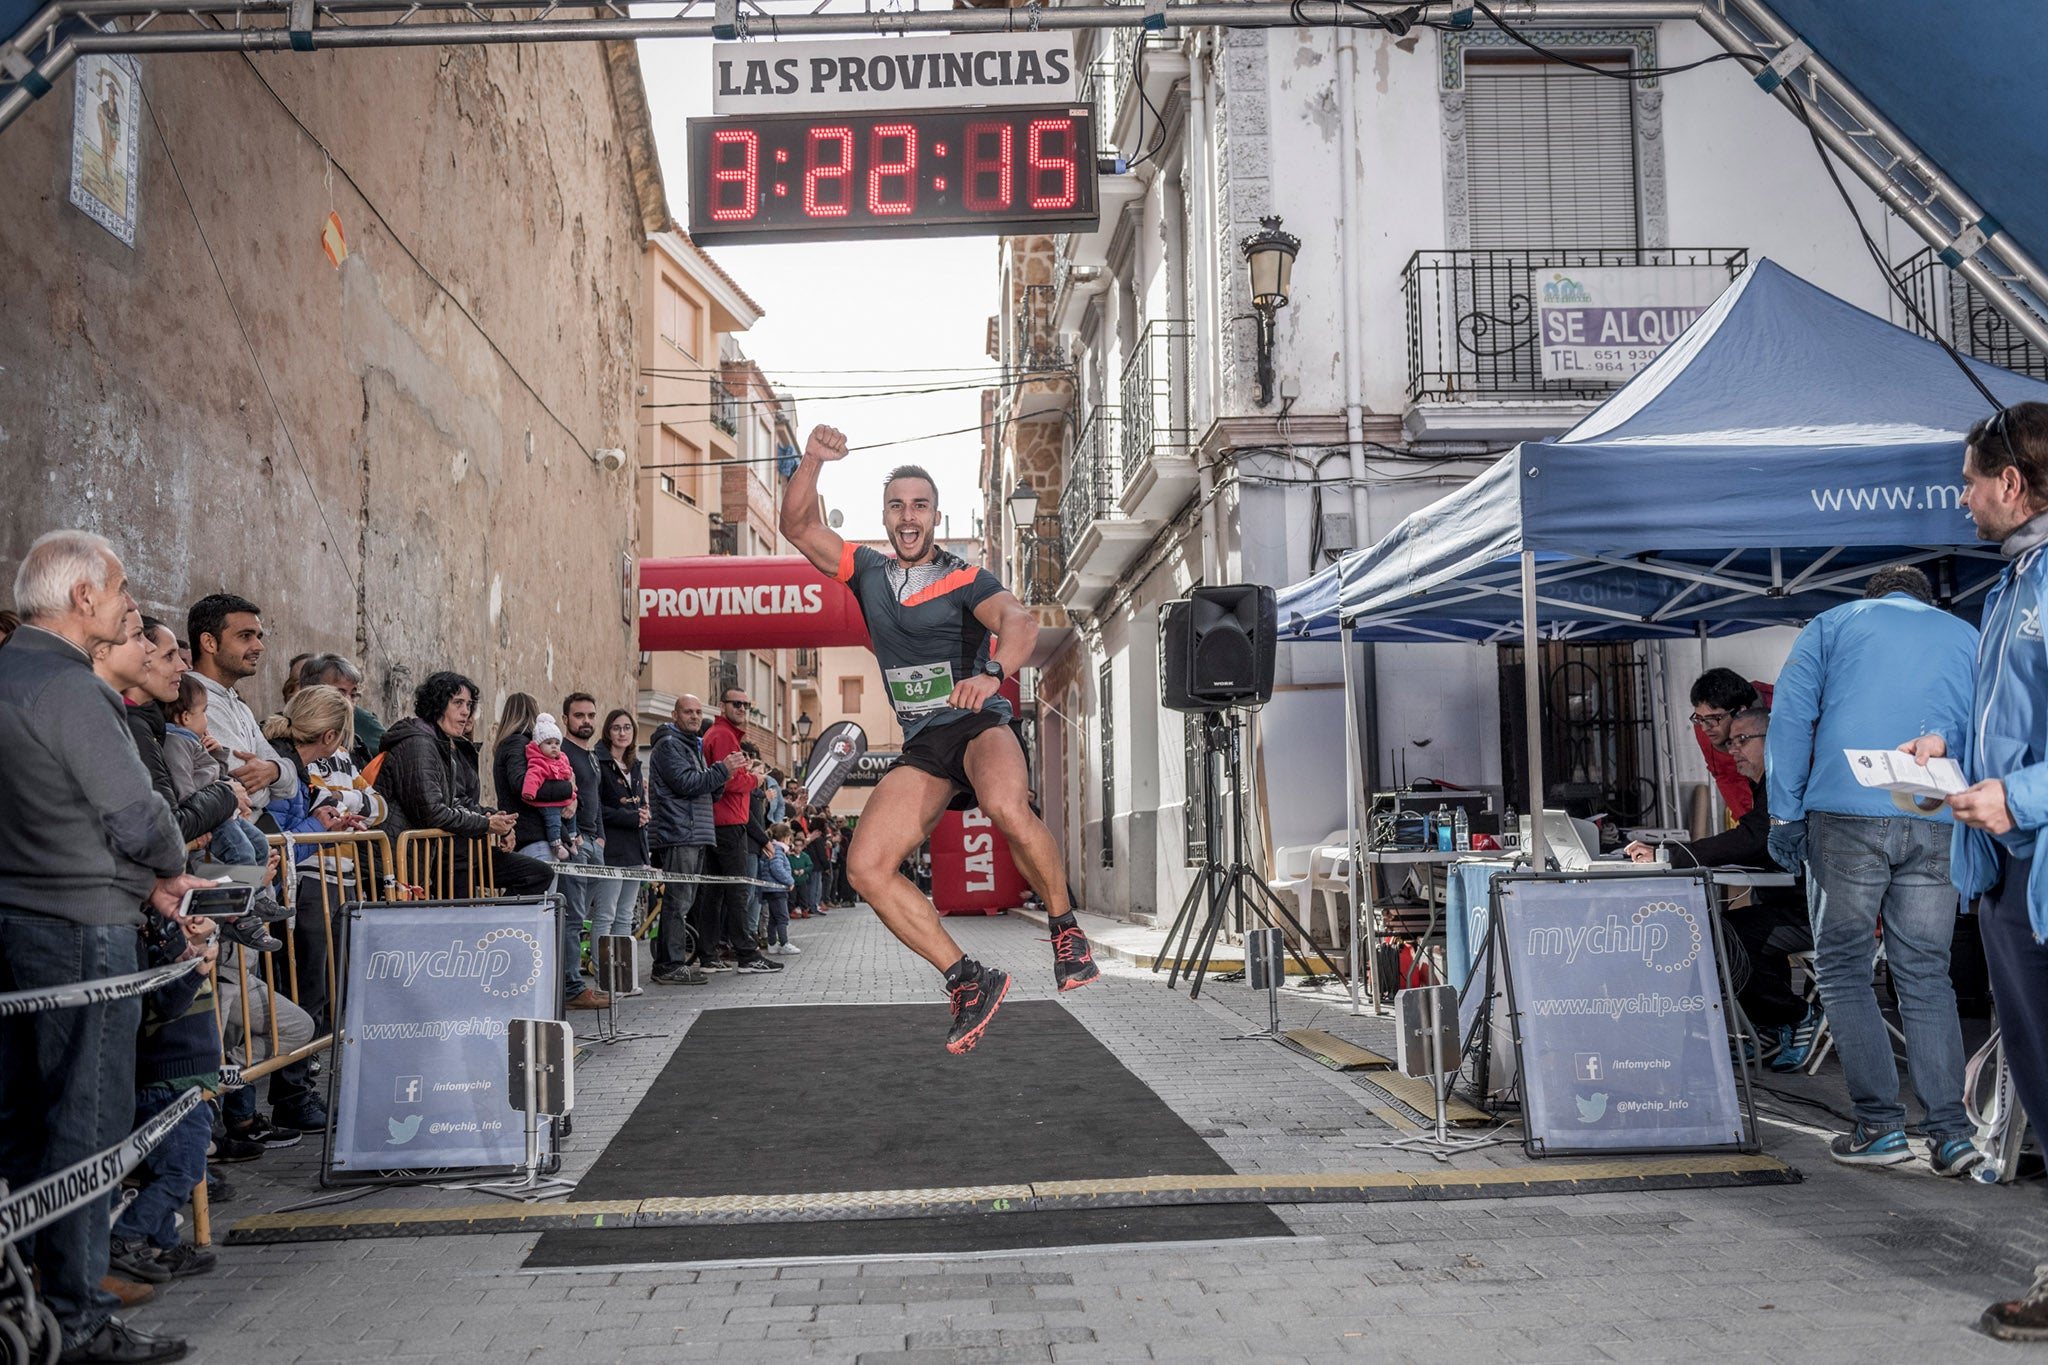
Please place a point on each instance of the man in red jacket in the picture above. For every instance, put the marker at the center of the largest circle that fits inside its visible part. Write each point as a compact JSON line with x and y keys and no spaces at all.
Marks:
{"x":733,"y":856}
{"x":1717,"y":695}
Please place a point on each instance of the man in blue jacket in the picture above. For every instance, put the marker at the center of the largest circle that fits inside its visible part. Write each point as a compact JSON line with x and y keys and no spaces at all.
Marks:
{"x":1891,"y":664}
{"x":680,"y":789}
{"x":2004,"y":753}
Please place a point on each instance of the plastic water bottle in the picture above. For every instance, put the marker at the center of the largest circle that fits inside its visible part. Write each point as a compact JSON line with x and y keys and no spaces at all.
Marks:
{"x":1444,"y":833}
{"x":1461,"y":826}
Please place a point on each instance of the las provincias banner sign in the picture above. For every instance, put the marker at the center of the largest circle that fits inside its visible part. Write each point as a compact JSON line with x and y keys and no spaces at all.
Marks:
{"x":708,"y":602}
{"x":948,"y":72}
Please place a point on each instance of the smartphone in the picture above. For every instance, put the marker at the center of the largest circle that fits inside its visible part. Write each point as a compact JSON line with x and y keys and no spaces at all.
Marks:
{"x":219,"y":902}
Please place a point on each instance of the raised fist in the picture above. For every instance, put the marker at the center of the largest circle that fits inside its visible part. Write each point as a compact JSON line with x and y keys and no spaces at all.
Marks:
{"x":825,"y":444}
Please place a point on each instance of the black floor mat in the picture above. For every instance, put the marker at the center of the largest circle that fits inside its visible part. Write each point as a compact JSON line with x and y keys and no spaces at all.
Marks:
{"x":907,"y":1236}
{"x":864,"y":1097}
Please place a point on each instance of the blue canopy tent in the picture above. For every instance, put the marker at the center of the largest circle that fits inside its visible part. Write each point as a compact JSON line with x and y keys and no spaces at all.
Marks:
{"x":1752,"y":475}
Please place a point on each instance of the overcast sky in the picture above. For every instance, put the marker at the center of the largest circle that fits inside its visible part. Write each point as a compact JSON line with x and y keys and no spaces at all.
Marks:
{"x":838,"y":311}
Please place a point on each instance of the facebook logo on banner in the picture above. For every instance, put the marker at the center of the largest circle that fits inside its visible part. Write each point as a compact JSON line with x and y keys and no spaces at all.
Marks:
{"x":409,"y":1089}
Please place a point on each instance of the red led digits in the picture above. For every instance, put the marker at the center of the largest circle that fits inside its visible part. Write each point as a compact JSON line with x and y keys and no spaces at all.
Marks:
{"x":746,"y":175}
{"x":990,"y":158}
{"x":1044,"y":133}
{"x":840,"y":174}
{"x":903,"y":168}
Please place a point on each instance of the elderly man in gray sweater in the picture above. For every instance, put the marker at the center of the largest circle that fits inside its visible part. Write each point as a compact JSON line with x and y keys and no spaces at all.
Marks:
{"x":91,"y":849}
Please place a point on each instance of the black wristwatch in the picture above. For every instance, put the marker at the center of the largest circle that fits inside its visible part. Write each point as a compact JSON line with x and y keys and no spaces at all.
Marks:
{"x":993,"y":670}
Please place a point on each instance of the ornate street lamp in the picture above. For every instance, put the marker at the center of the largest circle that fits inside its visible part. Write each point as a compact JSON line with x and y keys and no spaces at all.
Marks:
{"x":803,"y":726}
{"x":1269,"y":253}
{"x":1024,"y":506}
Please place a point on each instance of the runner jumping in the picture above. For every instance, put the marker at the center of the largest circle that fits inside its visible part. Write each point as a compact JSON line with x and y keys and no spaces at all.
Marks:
{"x":929,"y":616}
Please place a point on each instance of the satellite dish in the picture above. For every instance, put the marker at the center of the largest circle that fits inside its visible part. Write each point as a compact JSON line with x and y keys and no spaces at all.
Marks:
{"x":835,"y":519}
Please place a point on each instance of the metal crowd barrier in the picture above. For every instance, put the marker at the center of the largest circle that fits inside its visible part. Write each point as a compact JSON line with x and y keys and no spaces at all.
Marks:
{"x":345,"y":866}
{"x":352,"y":865}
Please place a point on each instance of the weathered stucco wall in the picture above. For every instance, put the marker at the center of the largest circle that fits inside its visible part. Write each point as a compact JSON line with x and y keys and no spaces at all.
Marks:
{"x":390,"y":457}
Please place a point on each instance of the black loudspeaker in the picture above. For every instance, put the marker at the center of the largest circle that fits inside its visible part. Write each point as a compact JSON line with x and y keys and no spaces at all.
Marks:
{"x":1173,"y":661}
{"x":1216,"y":648}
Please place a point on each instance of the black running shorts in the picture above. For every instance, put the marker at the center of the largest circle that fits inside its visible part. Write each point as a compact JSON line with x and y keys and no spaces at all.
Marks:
{"x":941,"y":750}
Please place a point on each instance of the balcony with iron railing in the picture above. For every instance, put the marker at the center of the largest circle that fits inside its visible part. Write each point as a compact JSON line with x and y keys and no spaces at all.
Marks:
{"x":725,"y":407}
{"x":1041,"y":562}
{"x":1098,"y":540}
{"x":1947,"y":307}
{"x":1472,"y":317}
{"x":1098,"y":86}
{"x":1037,"y":348}
{"x":1088,"y":494}
{"x":1063,"y":266}
{"x":803,"y":665}
{"x":1158,"y":467}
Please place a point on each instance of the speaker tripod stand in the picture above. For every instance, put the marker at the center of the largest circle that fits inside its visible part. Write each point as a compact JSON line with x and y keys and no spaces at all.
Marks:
{"x":1224,"y":890}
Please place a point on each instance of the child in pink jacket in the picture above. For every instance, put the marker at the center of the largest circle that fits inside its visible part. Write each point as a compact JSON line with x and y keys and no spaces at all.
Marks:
{"x":545,"y":762}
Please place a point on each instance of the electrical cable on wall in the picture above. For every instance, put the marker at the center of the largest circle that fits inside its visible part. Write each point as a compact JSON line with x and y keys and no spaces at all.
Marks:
{"x":872,"y":445}
{"x":399,"y":241}
{"x":256,"y":363}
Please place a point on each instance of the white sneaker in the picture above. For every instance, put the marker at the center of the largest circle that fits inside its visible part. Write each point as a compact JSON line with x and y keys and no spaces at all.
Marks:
{"x":791,"y":949}
{"x":770,"y":948}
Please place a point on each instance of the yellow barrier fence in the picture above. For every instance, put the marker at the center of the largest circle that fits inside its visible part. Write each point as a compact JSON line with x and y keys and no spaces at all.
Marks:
{"x":443,"y":866}
{"x":323,"y":872}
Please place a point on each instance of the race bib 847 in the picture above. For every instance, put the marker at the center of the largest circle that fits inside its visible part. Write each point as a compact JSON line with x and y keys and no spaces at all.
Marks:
{"x":919,"y":688}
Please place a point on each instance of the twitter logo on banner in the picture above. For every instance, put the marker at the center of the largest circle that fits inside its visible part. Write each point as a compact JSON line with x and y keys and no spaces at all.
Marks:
{"x":1590,"y":1110}
{"x":405,"y":1129}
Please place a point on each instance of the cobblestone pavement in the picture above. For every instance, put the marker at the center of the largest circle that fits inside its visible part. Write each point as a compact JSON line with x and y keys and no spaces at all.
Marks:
{"x":1849,"y":1266}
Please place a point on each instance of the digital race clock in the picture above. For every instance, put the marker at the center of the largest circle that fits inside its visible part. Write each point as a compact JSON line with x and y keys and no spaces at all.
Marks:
{"x":917,"y":173}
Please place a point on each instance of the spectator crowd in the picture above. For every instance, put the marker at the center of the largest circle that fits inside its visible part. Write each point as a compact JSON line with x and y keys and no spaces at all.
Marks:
{"x":152,"y":777}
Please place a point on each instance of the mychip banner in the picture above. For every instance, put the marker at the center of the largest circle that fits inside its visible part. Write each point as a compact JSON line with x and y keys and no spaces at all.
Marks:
{"x":1620,"y":1027}
{"x":430,"y":991}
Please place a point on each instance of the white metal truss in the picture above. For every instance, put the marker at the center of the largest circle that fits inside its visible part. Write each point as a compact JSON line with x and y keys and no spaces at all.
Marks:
{"x":1434,"y":616}
{"x":1898,"y":172}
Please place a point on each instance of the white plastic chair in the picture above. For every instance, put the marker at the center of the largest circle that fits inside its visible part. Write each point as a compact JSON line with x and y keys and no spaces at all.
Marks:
{"x":1303,"y":872}
{"x":1329,"y":882}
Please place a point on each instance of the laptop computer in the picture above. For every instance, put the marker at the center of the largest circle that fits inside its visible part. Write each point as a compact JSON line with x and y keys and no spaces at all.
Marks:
{"x":1566,"y":839}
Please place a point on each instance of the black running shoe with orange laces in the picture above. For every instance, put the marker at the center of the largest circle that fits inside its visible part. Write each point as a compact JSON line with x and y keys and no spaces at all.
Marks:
{"x":975,"y":1002}
{"x":2024,"y":1318}
{"x":1073,"y":961}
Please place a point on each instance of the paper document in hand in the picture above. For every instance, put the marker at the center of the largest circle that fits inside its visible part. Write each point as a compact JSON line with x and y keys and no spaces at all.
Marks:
{"x":1893,"y":771}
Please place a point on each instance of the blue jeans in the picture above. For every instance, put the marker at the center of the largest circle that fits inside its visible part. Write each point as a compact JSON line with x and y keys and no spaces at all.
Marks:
{"x":611,"y":908}
{"x":1862,"y":869}
{"x":67,"y":1092}
{"x":672,"y":937}
{"x":174,"y":1169}
{"x":238,"y":842}
{"x":754,"y":910}
{"x":576,"y":912}
{"x":775,"y":905}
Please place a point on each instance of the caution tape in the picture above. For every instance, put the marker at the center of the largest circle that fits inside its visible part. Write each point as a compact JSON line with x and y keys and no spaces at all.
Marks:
{"x":52,"y":1197}
{"x":600,"y":872}
{"x":74,"y":993}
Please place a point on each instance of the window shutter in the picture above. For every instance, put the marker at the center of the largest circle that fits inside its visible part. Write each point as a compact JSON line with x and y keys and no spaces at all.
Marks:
{"x":1550,"y":156}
